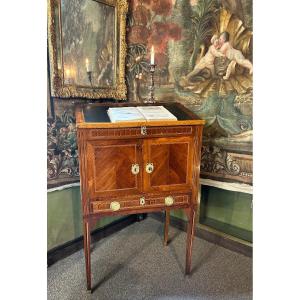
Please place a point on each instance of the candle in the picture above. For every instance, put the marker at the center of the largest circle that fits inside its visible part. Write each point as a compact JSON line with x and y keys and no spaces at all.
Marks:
{"x":67,"y":73}
{"x":152,"y":56}
{"x":87,"y":64}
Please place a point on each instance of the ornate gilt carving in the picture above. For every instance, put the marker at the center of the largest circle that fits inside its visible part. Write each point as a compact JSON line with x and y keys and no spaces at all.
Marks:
{"x":57,"y":86}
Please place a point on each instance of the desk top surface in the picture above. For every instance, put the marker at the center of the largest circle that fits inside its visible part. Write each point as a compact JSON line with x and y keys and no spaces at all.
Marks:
{"x":95,"y":116}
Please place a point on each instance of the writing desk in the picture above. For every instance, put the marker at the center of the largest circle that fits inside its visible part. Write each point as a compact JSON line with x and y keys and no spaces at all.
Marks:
{"x":137,"y":167}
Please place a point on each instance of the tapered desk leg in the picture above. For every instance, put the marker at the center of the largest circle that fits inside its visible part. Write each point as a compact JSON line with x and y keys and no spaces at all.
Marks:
{"x":167,"y":222}
{"x":190,"y":237}
{"x":87,"y":253}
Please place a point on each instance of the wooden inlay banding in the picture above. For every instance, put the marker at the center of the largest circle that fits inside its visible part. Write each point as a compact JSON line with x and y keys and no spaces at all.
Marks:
{"x":136,"y":132}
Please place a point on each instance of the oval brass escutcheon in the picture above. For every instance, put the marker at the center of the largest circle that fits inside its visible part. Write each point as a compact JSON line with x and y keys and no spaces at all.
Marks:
{"x":115,"y":205}
{"x":149,"y":168}
{"x":169,"y":200}
{"x":135,"y":169}
{"x":142,"y":201}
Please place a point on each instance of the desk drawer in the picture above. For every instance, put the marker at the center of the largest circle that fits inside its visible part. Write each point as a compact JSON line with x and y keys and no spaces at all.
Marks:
{"x":138,"y":203}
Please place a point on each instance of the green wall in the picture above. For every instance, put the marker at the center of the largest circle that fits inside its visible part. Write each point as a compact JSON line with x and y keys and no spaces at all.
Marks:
{"x":64,"y":221}
{"x":227,"y":211}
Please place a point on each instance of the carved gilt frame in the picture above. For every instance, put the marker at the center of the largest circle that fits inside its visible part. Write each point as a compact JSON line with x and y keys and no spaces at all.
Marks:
{"x":57,"y":85}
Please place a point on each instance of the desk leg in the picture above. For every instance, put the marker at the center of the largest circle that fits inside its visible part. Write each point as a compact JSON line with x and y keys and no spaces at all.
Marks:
{"x":87,"y":252}
{"x":167,"y":222}
{"x":190,"y":237}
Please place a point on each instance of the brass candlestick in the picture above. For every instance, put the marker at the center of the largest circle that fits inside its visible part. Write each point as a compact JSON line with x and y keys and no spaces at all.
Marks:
{"x":89,"y":74}
{"x":151,"y":98}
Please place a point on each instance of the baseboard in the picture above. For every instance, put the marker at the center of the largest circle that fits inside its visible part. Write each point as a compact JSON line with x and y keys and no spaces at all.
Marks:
{"x":73,"y":246}
{"x":208,"y":235}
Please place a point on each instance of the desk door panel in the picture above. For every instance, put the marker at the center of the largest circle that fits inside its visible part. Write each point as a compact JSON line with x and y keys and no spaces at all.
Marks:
{"x":171,"y":159}
{"x":109,"y":167}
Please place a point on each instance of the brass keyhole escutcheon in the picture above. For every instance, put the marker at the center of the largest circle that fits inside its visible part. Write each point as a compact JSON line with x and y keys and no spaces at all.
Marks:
{"x":142,"y":201}
{"x":143,"y":130}
{"x":169,"y":200}
{"x":135,"y":169}
{"x":115,"y":205}
{"x":149,"y":168}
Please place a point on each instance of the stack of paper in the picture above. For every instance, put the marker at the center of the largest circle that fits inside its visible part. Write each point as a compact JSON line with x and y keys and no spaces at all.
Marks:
{"x":139,"y":113}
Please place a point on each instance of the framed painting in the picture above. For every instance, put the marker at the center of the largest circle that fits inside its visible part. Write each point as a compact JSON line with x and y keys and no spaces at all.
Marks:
{"x":87,"y":48}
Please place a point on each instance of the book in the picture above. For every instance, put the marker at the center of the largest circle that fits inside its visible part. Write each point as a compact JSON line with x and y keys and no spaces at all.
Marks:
{"x":139,"y":113}
{"x":124,"y":114}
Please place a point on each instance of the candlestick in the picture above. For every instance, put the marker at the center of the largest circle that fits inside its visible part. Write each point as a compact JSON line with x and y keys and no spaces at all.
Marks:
{"x":89,"y":74}
{"x":151,"y":98}
{"x":152,"y":56}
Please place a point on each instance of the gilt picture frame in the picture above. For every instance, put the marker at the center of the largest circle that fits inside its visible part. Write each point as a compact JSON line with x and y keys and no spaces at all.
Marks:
{"x":87,"y":48}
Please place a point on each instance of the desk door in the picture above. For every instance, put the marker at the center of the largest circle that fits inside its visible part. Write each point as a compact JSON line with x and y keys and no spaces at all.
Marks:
{"x":169,"y":164}
{"x":114,"y":167}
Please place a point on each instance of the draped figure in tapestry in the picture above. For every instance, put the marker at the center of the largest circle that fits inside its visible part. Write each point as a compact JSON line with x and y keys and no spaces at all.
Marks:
{"x":220,"y":47}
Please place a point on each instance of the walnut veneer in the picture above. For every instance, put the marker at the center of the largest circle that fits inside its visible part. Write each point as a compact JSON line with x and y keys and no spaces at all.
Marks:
{"x":137,"y":167}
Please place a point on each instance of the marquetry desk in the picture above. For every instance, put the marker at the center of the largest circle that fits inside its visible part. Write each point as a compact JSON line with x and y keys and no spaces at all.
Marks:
{"x":137,"y":167}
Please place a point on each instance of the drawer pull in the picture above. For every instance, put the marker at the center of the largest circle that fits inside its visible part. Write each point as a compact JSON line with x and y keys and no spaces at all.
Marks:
{"x":135,"y":169}
{"x":115,"y":205}
{"x":142,"y":201}
{"x":149,"y":168}
{"x":169,"y":200}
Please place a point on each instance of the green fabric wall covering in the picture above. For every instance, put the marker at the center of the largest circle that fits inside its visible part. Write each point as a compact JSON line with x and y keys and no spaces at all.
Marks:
{"x":64,"y":221}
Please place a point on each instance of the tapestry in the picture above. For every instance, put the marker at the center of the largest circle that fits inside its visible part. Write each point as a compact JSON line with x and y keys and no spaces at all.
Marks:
{"x":62,"y":153}
{"x":203,"y":57}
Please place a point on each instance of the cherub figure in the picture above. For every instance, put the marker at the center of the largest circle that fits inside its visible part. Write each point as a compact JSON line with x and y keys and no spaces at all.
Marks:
{"x":234,"y":55}
{"x":207,"y":61}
